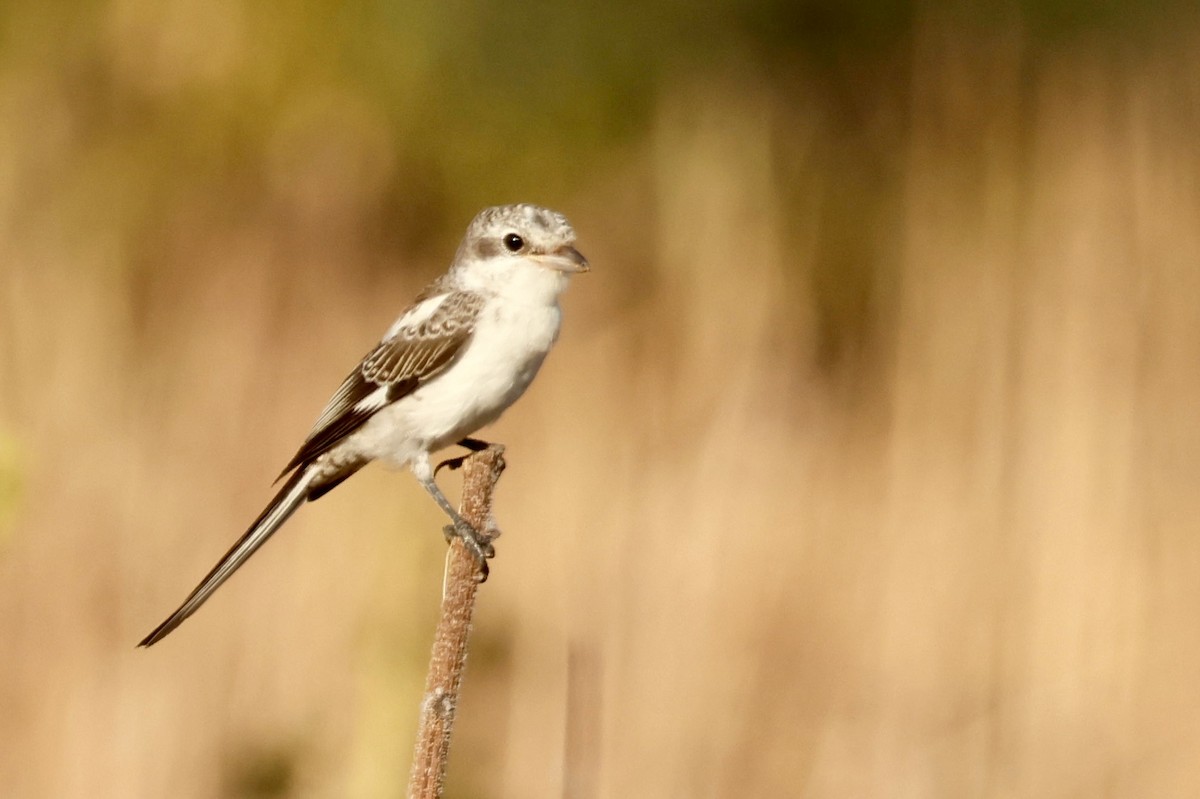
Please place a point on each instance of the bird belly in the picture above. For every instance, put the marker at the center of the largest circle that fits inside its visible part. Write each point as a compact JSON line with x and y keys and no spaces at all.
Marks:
{"x":497,"y":365}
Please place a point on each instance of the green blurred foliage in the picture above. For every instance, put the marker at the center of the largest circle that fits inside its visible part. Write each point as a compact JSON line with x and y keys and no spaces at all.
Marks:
{"x":478,"y":101}
{"x":413,"y":115}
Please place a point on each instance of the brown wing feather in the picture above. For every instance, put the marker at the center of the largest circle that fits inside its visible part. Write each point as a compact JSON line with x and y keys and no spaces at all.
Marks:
{"x":397,"y":367}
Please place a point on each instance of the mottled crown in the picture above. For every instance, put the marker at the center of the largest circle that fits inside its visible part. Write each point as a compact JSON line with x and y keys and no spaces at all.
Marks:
{"x":522,"y":218}
{"x":541,"y":230}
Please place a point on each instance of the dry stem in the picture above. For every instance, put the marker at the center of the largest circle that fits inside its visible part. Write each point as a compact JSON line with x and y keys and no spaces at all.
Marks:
{"x":481,"y":470}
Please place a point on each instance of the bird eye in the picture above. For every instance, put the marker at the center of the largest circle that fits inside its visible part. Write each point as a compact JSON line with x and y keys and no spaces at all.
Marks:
{"x":513,"y":242}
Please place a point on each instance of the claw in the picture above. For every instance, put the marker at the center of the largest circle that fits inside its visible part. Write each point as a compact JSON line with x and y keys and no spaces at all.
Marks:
{"x":473,"y":444}
{"x":478,"y":546}
{"x":450,"y":463}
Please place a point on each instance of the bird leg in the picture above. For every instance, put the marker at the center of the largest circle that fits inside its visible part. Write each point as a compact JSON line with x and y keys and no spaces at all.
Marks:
{"x":478,"y":545}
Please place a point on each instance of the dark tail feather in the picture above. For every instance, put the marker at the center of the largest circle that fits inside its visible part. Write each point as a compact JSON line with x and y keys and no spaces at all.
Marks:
{"x":293,"y":493}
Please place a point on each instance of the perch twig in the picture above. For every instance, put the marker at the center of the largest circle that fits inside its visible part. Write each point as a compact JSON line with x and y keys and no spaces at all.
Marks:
{"x":481,"y":470}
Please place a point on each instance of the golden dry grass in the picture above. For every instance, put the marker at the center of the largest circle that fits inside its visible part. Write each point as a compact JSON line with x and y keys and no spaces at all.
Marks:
{"x":952,"y":554}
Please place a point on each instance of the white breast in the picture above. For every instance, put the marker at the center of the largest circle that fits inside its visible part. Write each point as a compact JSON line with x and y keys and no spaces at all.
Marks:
{"x":504,"y":354}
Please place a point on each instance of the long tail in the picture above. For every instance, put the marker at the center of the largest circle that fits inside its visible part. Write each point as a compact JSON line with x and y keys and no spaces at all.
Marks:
{"x":290,"y":497}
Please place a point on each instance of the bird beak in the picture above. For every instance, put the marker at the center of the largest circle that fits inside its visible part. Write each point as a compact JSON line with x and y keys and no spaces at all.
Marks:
{"x":564,"y":259}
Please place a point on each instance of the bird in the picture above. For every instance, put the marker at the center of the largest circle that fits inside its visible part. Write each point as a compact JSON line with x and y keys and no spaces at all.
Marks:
{"x":456,"y":358}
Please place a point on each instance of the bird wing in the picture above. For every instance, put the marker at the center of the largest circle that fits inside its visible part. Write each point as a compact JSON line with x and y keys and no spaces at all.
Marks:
{"x":421,"y":344}
{"x":426,"y":339}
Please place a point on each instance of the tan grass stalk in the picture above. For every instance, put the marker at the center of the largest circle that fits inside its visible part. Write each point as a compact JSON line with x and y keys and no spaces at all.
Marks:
{"x":481,"y":470}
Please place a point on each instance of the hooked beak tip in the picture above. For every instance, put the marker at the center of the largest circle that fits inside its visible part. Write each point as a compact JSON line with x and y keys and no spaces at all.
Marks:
{"x":568,"y":259}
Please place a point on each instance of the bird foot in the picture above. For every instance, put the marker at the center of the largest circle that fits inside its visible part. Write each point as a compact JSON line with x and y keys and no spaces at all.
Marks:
{"x":452,"y":464}
{"x":475,"y":543}
{"x":473,"y":444}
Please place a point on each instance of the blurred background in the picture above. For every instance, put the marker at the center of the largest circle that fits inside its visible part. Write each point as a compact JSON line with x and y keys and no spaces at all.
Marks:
{"x":866,"y":465}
